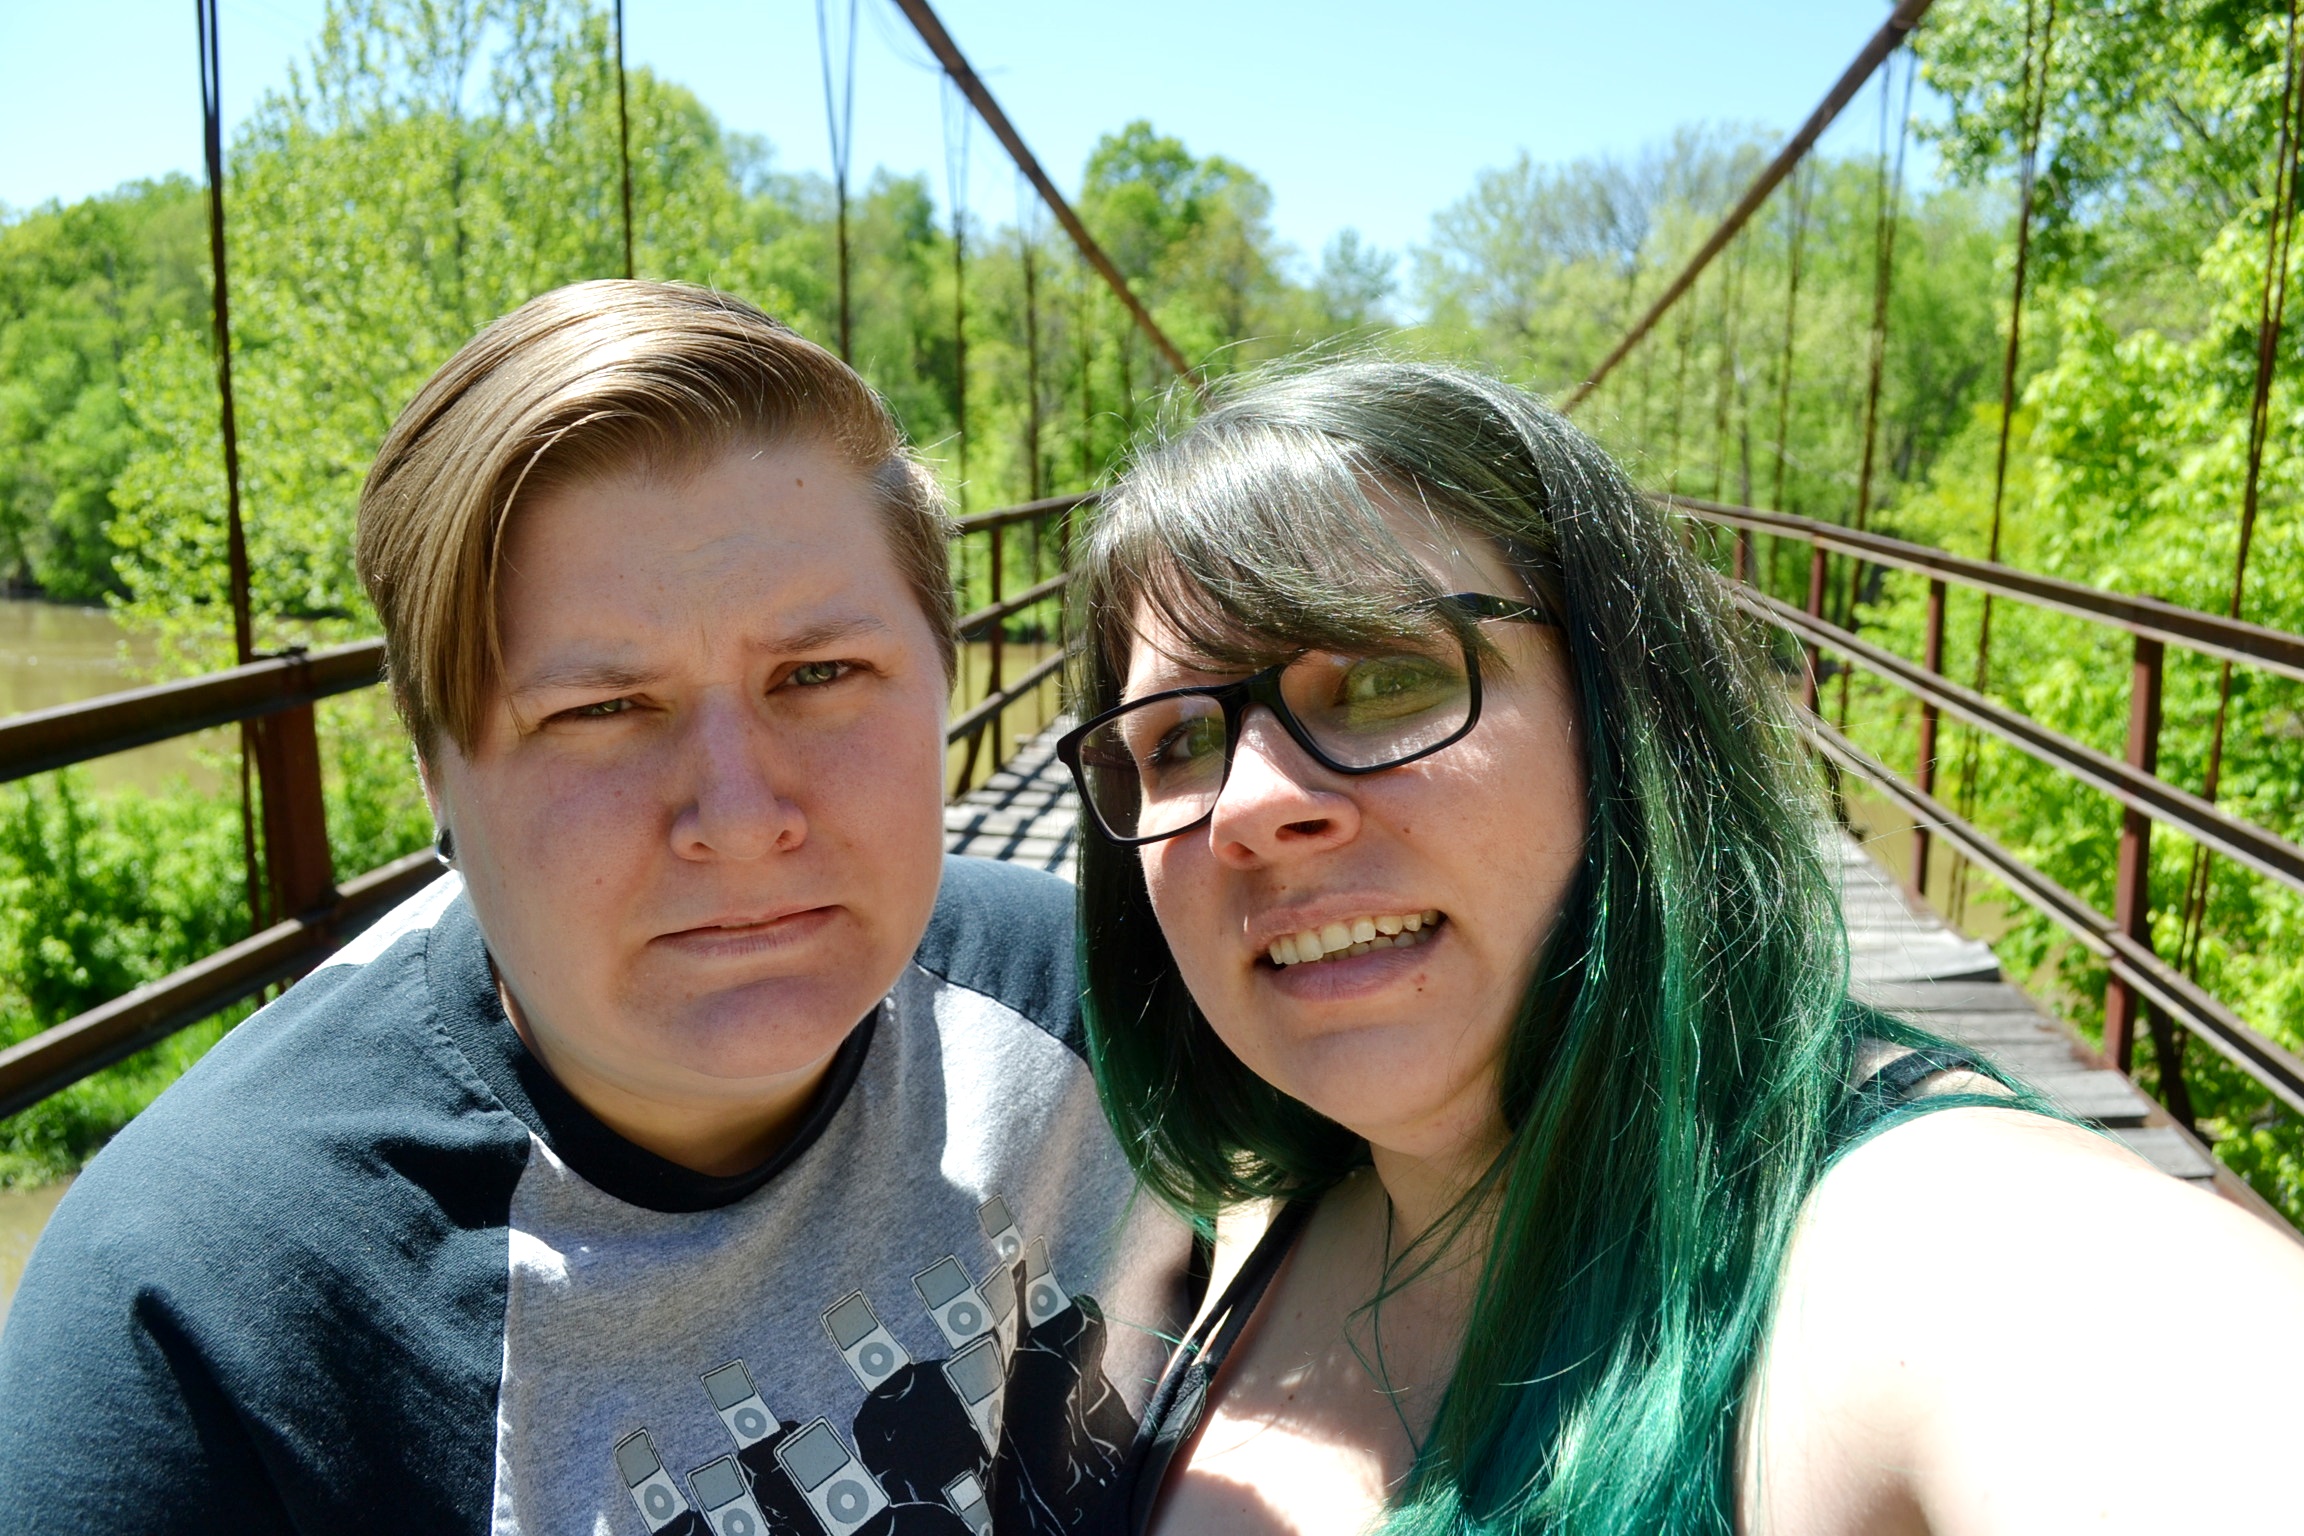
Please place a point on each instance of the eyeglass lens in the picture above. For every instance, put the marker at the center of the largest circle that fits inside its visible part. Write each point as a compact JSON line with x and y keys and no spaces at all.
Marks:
{"x":1158,"y":767}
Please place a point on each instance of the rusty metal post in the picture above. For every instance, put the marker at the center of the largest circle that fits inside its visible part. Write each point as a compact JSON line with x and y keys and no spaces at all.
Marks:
{"x":1740,"y":562}
{"x":1816,"y":572}
{"x":1924,"y":768}
{"x":301,"y":870}
{"x":999,"y":637}
{"x":2132,"y":895}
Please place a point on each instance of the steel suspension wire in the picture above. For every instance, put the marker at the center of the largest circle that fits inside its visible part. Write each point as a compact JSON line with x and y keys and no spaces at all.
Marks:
{"x":2039,"y":53}
{"x":1680,"y":395}
{"x":1724,"y":387}
{"x":956,"y":122}
{"x":2271,"y":314}
{"x":924,"y":21}
{"x":1900,"y":22}
{"x":235,"y":532}
{"x":840,"y":120}
{"x":1028,"y":242}
{"x":1795,"y":238}
{"x":1890,"y":203}
{"x":623,"y":139}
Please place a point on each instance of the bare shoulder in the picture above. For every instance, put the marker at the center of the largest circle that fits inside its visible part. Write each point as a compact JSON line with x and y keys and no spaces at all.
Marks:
{"x":1983,"y":1313}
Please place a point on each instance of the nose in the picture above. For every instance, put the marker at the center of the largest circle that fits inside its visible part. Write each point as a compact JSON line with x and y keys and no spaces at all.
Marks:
{"x":737,"y":808}
{"x":1276,"y":802}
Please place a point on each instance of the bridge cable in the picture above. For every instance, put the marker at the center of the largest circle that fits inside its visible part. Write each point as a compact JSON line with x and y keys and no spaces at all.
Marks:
{"x":840,"y":121}
{"x":924,"y":21}
{"x":1680,"y":393}
{"x":623,"y":138}
{"x":1795,"y":239}
{"x":235,"y":532}
{"x":1890,"y":204}
{"x":2271,"y":312}
{"x":1724,"y":389}
{"x":1028,"y":243}
{"x":2040,"y":47}
{"x":1900,"y":22}
{"x":956,"y":124}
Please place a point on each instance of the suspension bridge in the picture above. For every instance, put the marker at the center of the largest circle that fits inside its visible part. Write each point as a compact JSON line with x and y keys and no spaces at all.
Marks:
{"x":1010,"y":800}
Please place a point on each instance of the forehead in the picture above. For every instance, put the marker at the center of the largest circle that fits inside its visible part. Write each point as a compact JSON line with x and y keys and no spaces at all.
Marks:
{"x":1456,"y":558}
{"x":762,"y":535}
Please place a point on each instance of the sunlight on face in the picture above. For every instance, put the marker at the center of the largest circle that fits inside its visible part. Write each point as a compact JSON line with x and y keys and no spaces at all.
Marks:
{"x":1399,"y":1044}
{"x":703,"y":827}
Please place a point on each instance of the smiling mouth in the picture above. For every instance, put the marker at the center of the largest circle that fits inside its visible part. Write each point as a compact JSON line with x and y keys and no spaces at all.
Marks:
{"x":1360,"y":936}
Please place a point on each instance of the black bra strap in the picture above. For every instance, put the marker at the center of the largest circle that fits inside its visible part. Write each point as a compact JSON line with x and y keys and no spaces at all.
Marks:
{"x":1895,"y":1083}
{"x":1173,"y":1414}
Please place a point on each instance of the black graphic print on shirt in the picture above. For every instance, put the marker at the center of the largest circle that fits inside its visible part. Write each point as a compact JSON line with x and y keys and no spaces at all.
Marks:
{"x":1017,"y":1427}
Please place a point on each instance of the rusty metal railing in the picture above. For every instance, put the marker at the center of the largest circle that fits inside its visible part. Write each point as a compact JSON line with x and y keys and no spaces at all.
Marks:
{"x":2123,"y":941}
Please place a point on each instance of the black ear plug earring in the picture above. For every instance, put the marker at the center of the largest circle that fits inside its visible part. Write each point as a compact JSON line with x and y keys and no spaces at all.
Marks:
{"x":444,"y":847}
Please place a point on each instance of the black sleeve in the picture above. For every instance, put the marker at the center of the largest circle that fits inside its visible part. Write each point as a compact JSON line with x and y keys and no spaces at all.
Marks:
{"x":115,"y":1421}
{"x":1006,"y":931}
{"x":276,"y":1300}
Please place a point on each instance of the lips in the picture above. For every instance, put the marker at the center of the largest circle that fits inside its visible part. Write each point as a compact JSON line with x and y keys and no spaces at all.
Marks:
{"x":743,"y":930}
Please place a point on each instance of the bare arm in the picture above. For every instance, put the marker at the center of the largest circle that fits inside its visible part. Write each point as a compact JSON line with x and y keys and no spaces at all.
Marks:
{"x":1992,"y":1323}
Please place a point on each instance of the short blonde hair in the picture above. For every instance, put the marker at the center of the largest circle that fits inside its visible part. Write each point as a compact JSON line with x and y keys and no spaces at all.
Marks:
{"x":590,"y":380}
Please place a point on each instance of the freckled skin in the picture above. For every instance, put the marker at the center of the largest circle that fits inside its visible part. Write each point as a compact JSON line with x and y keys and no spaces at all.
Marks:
{"x":672,"y":753}
{"x":1490,"y":831}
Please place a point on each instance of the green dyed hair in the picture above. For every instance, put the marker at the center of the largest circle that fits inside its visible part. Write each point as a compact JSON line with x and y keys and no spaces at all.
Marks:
{"x":1678,"y":1076}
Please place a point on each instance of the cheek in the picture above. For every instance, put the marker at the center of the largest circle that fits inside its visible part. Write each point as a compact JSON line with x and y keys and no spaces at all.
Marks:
{"x":878,"y":775}
{"x":572,"y":827}
{"x":1180,"y":883}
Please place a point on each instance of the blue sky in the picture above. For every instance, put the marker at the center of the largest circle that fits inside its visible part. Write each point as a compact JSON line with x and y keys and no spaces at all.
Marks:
{"x":1357,"y":112}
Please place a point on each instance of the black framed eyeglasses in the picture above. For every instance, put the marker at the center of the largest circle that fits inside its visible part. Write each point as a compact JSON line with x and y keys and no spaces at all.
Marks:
{"x":1154,"y":767}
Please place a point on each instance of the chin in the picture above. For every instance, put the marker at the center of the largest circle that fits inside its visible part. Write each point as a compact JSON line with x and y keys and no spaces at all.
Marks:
{"x":764,"y":1030}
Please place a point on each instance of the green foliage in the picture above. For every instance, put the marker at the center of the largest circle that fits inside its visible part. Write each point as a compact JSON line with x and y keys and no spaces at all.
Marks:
{"x":2128,"y":456}
{"x":97,"y":898}
{"x":78,"y":287}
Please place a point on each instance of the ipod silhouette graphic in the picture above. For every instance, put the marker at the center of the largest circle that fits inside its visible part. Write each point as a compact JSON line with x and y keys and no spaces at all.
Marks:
{"x":1000,"y":1229}
{"x":729,"y":1508}
{"x":958,"y":1309}
{"x":840,"y":1493}
{"x":753,"y":1425}
{"x":872,"y":1353}
{"x":663,"y":1508}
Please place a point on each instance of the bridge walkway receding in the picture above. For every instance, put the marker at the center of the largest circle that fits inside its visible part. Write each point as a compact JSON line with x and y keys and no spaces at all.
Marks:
{"x":1903,"y":956}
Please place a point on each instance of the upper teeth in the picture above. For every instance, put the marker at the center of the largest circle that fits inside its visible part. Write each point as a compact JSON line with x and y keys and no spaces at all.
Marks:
{"x":1355,"y":937}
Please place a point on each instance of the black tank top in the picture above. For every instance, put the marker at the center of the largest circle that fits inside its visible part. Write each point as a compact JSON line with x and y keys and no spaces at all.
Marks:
{"x":1172,"y":1417}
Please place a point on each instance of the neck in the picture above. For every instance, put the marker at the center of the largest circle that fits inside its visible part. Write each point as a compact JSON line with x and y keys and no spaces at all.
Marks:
{"x":716,"y":1135}
{"x":1425,"y":1188}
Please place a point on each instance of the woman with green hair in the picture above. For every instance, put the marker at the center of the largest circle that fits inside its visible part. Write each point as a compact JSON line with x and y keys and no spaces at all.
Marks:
{"x":1460,"y":947}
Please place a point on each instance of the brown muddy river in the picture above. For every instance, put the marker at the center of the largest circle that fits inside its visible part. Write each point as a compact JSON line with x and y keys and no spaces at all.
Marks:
{"x":52,"y":654}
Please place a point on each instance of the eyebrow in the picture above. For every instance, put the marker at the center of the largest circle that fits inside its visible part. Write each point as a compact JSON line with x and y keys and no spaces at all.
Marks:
{"x":616,"y":677}
{"x":586,"y":675}
{"x":823,"y":632}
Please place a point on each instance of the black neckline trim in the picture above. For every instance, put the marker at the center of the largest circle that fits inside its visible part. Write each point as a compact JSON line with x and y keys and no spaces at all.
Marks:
{"x":464,"y":992}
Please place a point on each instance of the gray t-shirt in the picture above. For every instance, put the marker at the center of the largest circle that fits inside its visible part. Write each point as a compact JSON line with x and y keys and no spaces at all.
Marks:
{"x":368,"y":1267}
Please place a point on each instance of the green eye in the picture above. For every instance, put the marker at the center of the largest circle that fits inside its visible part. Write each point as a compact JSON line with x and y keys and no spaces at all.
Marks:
{"x":1192,"y":740}
{"x":815,"y":674}
{"x":1390,"y":687}
{"x":601,"y":710}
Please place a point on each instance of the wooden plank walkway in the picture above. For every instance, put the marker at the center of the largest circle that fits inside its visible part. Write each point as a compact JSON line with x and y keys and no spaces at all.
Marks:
{"x":1904,"y":958}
